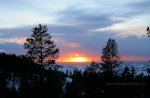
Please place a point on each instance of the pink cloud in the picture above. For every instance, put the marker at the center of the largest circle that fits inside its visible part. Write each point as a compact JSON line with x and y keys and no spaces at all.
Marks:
{"x":139,"y":32}
{"x":18,"y":40}
{"x":65,"y":43}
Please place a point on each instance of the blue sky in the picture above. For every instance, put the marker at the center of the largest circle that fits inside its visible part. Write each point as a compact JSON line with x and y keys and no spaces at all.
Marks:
{"x":78,"y":26}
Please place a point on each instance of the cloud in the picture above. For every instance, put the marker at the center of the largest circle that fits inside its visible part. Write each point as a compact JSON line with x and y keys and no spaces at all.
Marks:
{"x":23,"y":19}
{"x":64,"y":43}
{"x":66,"y":30}
{"x":71,"y":45}
{"x":12,"y":48}
{"x":140,"y":6}
{"x":128,"y":27}
{"x":2,"y":50}
{"x":83,"y":18}
{"x":121,"y":19}
{"x":13,"y":32}
{"x":18,"y":40}
{"x":123,"y":32}
{"x":134,"y":46}
{"x":139,"y":32}
{"x":134,"y":58}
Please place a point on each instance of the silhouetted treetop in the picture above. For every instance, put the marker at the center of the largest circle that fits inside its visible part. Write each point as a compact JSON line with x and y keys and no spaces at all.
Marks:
{"x":40,"y":46}
{"x":110,"y":56}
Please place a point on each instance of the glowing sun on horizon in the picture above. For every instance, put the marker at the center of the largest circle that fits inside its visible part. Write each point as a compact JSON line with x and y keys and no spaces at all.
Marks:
{"x":77,"y":58}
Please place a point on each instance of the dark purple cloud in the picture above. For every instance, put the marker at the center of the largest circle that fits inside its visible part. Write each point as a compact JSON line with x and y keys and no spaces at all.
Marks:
{"x":12,"y":48}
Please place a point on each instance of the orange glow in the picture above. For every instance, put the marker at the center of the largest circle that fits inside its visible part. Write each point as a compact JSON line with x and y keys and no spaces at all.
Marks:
{"x":77,"y":54}
{"x":74,"y":57}
{"x":134,"y":58}
{"x":77,"y":59}
{"x":80,"y":59}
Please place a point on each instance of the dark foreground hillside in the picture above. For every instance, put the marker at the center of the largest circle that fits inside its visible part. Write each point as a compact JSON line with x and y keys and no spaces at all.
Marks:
{"x":33,"y":80}
{"x":22,"y":78}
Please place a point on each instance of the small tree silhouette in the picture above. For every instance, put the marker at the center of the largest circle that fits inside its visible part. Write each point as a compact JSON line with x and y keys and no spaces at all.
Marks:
{"x":40,"y":46}
{"x":110,"y":56}
{"x":148,"y":31}
{"x":126,"y":72}
{"x":93,"y":67}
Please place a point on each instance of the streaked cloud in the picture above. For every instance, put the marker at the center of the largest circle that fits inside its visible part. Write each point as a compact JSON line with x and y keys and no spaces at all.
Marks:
{"x":64,"y":43}
{"x":23,"y":19}
{"x":12,"y":48}
{"x":71,"y":45}
{"x":18,"y":40}
{"x":128,"y":27}
{"x":140,"y":32}
{"x":2,"y":50}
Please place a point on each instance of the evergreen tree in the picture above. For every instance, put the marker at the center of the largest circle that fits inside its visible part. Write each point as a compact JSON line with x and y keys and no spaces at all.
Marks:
{"x":40,"y":46}
{"x":126,"y":72}
{"x":148,"y":31}
{"x":148,"y":71}
{"x":110,"y":56}
{"x":93,"y":67}
{"x":133,"y":72}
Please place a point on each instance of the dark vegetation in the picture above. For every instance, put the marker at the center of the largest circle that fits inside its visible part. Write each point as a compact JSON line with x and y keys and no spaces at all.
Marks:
{"x":34,"y":80}
{"x":24,"y":77}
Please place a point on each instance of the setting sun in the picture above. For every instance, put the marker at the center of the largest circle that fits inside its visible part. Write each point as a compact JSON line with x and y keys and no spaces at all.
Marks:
{"x":74,"y":57}
{"x":79,"y":59}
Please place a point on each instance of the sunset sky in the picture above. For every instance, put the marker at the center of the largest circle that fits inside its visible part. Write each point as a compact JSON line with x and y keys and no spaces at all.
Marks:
{"x":79,"y":28}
